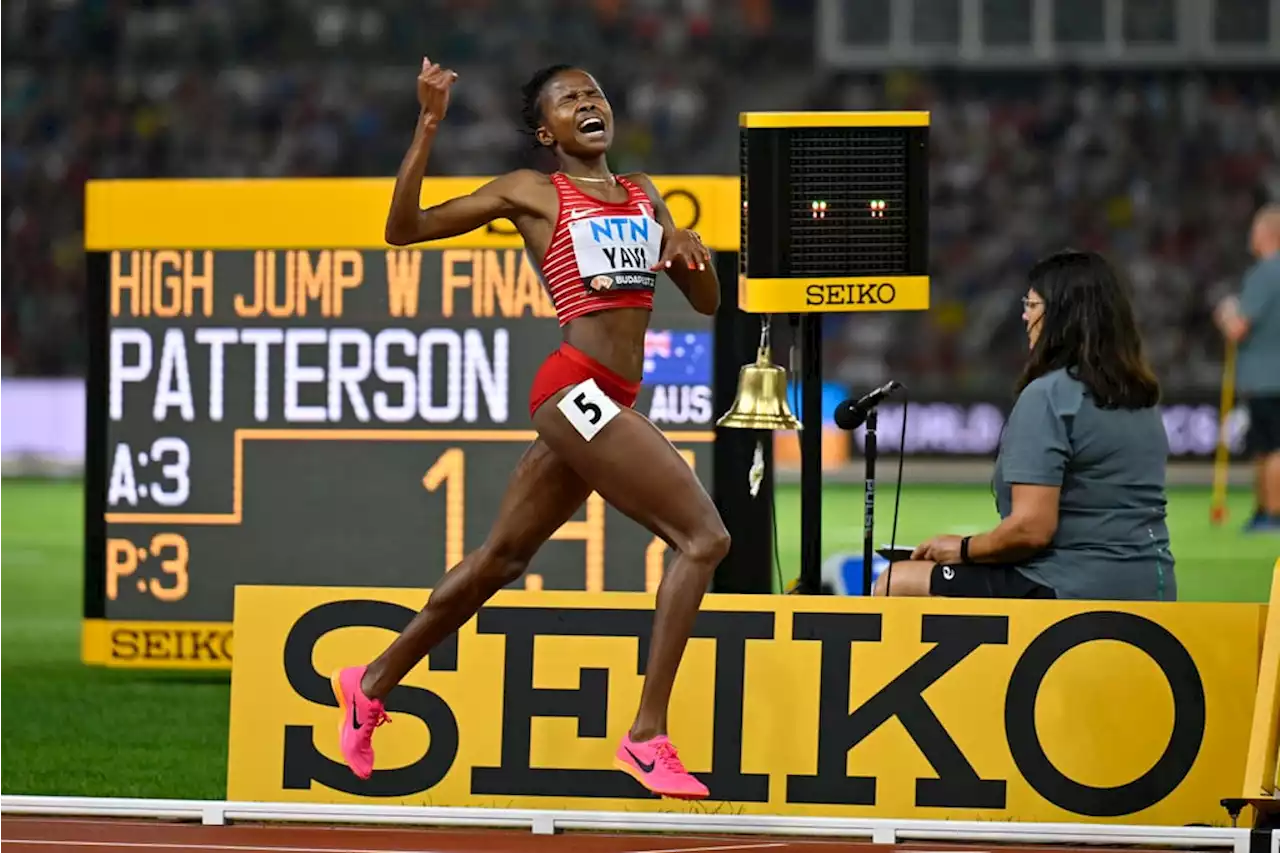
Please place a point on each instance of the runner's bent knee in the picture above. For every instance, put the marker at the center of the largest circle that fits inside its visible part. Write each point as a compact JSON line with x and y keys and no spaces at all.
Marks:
{"x":707,"y":544}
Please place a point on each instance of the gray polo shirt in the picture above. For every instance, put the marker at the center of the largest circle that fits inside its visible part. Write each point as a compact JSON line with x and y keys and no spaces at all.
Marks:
{"x":1112,"y":541}
{"x":1258,"y":355}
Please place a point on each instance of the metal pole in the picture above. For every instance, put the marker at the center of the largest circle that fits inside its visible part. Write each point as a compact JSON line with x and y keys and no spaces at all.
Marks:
{"x":869,"y":508}
{"x":811,"y":455}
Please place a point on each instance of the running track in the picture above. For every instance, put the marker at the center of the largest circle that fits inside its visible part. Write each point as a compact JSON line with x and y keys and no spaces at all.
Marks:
{"x":43,"y":835}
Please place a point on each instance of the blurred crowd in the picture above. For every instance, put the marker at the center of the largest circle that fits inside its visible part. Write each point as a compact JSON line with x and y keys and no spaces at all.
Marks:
{"x":1161,"y":171}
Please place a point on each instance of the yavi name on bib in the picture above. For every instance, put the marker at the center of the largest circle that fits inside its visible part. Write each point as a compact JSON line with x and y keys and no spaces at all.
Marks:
{"x":616,"y":252}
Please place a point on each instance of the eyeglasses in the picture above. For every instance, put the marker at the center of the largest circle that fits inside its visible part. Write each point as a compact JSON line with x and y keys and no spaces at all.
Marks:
{"x":1028,"y":303}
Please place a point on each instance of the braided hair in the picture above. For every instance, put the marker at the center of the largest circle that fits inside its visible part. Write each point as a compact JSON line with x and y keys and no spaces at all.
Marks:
{"x":531,"y":111}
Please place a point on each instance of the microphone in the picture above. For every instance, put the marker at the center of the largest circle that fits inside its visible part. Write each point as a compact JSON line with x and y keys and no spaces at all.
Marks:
{"x":851,"y":414}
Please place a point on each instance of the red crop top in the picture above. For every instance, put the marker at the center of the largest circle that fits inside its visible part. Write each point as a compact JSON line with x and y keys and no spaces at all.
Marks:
{"x":600,"y":251}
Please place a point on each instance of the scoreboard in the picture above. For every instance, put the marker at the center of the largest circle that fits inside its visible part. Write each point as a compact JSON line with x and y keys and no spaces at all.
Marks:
{"x":273,"y":403}
{"x":835,"y":211}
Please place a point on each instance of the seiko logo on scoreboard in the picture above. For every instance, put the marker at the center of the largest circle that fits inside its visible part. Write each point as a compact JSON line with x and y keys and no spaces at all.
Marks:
{"x":882,"y":293}
{"x":139,"y":646}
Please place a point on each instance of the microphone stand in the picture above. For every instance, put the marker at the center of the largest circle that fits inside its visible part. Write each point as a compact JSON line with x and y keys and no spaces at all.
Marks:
{"x":849,"y":416}
{"x":869,"y":506}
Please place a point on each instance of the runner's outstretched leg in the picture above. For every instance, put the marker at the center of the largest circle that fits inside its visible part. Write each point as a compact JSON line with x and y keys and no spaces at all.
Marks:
{"x":636,"y":469}
{"x":542,"y":495}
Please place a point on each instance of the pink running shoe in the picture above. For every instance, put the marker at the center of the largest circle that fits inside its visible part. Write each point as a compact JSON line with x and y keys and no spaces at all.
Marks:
{"x":655,"y":764}
{"x":360,"y":716}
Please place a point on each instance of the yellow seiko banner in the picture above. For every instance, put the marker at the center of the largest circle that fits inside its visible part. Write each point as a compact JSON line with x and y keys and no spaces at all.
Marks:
{"x":973,"y":710}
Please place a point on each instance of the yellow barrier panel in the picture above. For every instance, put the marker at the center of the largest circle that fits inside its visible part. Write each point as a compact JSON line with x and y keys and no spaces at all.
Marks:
{"x":327,"y":213}
{"x":1262,"y":770}
{"x":987,"y":710}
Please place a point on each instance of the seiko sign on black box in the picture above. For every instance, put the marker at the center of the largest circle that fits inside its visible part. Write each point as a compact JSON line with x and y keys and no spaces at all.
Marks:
{"x":835,"y":211}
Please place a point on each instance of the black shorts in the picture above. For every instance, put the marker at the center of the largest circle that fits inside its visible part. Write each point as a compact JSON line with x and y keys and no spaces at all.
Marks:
{"x":984,"y":581}
{"x":1263,"y":436}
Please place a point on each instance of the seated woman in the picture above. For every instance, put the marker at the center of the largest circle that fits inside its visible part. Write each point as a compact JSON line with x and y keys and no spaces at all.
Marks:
{"x":1080,"y":476}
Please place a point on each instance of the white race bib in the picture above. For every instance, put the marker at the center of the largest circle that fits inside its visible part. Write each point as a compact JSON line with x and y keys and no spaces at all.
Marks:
{"x":588,"y":408}
{"x":615,"y":252}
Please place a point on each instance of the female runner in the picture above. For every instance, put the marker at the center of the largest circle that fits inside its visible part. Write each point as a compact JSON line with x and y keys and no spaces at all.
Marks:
{"x":601,"y":239}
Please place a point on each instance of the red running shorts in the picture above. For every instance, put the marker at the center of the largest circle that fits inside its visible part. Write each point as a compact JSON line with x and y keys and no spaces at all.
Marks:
{"x":568,"y":366}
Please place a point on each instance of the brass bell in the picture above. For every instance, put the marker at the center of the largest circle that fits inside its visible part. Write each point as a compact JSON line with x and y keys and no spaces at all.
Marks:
{"x":761,"y":401}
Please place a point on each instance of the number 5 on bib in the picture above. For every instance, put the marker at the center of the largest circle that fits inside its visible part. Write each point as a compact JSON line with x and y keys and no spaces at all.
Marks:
{"x":588,"y":408}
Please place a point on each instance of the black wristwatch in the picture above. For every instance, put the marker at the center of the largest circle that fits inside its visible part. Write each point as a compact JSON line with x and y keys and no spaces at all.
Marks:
{"x":964,"y":549}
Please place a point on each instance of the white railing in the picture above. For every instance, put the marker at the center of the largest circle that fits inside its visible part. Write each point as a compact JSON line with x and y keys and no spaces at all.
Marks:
{"x":546,"y":822}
